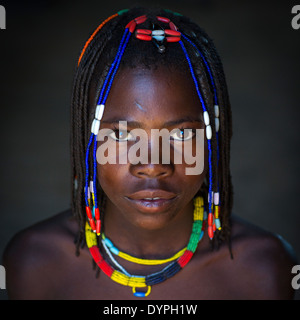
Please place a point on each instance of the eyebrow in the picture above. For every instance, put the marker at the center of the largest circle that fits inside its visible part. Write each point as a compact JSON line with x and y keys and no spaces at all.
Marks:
{"x":137,"y":124}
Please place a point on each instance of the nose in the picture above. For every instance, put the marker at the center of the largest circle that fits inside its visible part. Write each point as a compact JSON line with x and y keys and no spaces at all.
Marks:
{"x":156,"y":167}
{"x":150,"y":170}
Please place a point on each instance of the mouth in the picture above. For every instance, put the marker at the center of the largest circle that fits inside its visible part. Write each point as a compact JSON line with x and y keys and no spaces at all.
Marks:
{"x":152,"y":201}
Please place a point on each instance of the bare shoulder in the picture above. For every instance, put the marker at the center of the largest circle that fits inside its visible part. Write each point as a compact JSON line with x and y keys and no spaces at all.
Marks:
{"x":30,"y":258}
{"x":265,"y":259}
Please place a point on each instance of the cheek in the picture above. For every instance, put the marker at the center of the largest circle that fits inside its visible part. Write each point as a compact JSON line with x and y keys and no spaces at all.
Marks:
{"x":193,"y":182}
{"x":110,"y":174}
{"x":195,"y":165}
{"x":110,"y":177}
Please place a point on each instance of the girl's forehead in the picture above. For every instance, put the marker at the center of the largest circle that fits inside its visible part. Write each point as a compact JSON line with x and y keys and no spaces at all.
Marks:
{"x":161,"y":92}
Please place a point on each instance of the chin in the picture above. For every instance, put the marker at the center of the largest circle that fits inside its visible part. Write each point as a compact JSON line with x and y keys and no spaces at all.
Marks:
{"x":153,"y":222}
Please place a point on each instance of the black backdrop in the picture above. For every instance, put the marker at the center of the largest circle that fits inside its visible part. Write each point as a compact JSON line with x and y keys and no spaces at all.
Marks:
{"x":260,"y":53}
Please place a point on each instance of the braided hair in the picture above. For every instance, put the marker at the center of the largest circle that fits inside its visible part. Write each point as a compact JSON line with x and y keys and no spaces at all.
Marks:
{"x":94,"y":64}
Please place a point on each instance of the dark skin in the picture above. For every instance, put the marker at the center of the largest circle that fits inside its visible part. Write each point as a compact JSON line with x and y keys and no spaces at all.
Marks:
{"x":41,"y":263}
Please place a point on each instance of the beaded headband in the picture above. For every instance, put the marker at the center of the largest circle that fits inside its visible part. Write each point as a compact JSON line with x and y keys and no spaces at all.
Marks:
{"x":160,"y":38}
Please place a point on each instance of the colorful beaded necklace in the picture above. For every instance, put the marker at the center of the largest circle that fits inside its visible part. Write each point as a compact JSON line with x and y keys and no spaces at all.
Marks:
{"x":109,"y":245}
{"x":124,"y":278}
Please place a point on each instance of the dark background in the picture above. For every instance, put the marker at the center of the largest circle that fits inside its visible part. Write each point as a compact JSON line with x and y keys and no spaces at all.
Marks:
{"x":260,"y":52}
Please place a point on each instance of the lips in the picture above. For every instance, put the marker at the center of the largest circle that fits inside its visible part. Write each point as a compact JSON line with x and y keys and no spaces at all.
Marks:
{"x":152,"y":194}
{"x":152,"y":201}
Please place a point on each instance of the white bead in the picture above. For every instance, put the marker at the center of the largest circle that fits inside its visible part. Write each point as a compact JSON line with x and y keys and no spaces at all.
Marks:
{"x":217,"y":124}
{"x":95,"y":126}
{"x":99,"y":111}
{"x":158,"y":38}
{"x":217,"y":112}
{"x":208,"y":132}
{"x":75,"y":184}
{"x":91,"y":186}
{"x":158,"y":33}
{"x":92,"y":127}
{"x":216,"y":198}
{"x":206,"y":118}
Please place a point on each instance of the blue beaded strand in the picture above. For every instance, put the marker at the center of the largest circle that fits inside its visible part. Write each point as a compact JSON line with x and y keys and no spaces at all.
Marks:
{"x":93,"y":138}
{"x":207,"y":67}
{"x":116,"y":69}
{"x":214,"y":89}
{"x":87,"y":169}
{"x":114,"y":66}
{"x":204,"y":109}
{"x":163,"y":275}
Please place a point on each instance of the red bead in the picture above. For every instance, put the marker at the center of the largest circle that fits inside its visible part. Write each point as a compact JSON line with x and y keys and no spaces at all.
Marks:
{"x":98,"y":227}
{"x":140,"y":19}
{"x":132,"y":26}
{"x":163,"y":19}
{"x":173,"y":39}
{"x":144,"y":37}
{"x":143,"y":31}
{"x":96,"y":254}
{"x":214,"y":227}
{"x":172,"y":33}
{"x":97,"y":213}
{"x":210,"y":219}
{"x":88,"y":212}
{"x":106,"y":268}
{"x":92,"y":224}
{"x":210,"y":232}
{"x":172,"y":26}
{"x":185,"y":258}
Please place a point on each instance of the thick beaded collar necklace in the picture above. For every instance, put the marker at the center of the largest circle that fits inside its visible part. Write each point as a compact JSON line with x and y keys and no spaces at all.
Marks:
{"x":121,"y":276}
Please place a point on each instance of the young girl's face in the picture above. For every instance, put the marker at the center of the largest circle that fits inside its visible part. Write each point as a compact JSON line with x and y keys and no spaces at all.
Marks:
{"x":150,"y":195}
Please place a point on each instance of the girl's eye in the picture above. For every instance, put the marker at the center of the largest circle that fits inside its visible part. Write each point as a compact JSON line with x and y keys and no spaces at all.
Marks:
{"x":183,"y":134}
{"x":122,"y":135}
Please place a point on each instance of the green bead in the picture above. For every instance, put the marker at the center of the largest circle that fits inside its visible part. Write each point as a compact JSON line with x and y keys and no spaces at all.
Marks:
{"x":122,"y":11}
{"x":197,"y":226}
{"x":193,"y":243}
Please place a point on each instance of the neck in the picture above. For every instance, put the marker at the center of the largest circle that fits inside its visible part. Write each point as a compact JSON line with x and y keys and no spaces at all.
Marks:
{"x":148,"y":243}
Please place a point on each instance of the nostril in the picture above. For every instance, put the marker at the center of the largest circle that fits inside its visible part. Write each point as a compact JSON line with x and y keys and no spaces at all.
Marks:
{"x":151,"y":174}
{"x":151,"y":170}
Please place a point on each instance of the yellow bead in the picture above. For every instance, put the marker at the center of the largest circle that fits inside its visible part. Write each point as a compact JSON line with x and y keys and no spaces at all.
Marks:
{"x":198,"y":201}
{"x":128,"y":281}
{"x":216,"y":212}
{"x":91,"y":240}
{"x":142,"y":294}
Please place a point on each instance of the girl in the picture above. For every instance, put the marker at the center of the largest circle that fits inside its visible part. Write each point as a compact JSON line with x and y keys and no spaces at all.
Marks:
{"x":153,"y":229}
